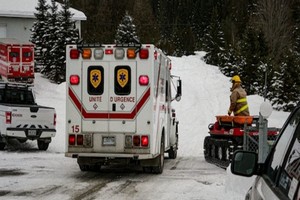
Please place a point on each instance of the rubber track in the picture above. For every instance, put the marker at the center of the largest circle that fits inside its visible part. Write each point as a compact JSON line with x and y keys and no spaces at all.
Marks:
{"x":212,"y":156}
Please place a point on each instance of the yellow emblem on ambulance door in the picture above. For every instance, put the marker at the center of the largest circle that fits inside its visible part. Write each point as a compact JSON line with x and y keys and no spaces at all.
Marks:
{"x":122,"y":77}
{"x":95,"y":77}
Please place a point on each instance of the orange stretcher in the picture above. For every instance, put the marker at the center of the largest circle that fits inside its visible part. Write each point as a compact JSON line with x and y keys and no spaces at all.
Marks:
{"x":241,"y":120}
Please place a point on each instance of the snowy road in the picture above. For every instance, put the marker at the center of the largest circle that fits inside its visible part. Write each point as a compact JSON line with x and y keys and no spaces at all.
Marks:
{"x":31,"y":174}
{"x":26,"y":173}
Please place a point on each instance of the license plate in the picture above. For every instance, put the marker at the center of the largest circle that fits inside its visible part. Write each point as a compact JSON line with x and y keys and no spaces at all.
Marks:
{"x":31,"y":132}
{"x":108,"y":141}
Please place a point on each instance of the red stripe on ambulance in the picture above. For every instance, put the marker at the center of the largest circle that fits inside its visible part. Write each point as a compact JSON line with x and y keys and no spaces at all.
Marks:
{"x":112,"y":115}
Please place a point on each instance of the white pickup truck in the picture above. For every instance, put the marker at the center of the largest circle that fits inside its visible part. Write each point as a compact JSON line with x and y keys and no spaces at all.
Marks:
{"x":22,"y":119}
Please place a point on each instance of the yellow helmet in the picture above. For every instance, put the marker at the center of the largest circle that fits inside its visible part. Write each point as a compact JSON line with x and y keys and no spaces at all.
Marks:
{"x":236,"y":79}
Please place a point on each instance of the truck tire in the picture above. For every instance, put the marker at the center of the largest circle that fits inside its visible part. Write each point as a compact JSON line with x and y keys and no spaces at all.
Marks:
{"x":161,"y":158}
{"x":42,"y":145}
{"x":2,"y":146}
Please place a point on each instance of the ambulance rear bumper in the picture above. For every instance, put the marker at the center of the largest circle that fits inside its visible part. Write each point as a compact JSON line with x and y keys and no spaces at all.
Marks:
{"x":112,"y":155}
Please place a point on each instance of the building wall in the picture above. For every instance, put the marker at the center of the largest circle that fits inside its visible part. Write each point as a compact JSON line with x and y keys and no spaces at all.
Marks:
{"x":19,"y":28}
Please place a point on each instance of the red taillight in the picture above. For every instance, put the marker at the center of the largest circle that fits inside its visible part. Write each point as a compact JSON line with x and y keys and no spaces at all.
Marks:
{"x":144,"y":140}
{"x":54,"y":120}
{"x":72,"y":139}
{"x":8,"y":117}
{"x":136,"y":140}
{"x":144,"y":53}
{"x":109,"y":51}
{"x":144,"y":80}
{"x":74,"y":54}
{"x":79,"y":139}
{"x":74,"y":79}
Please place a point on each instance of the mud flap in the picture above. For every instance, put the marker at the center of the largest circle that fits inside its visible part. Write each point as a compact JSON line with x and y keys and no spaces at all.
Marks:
{"x":150,"y":162}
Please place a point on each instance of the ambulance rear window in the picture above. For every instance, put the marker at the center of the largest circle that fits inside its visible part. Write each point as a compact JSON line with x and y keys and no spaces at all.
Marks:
{"x":27,"y":54}
{"x":95,"y":80}
{"x":14,"y":54}
{"x":122,"y":80}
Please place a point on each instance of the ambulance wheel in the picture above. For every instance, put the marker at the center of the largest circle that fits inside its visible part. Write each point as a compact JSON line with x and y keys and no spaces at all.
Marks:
{"x":42,"y":145}
{"x":161,"y":158}
{"x":172,"y":153}
{"x":84,"y":167}
{"x":147,"y":169}
{"x":22,"y":140}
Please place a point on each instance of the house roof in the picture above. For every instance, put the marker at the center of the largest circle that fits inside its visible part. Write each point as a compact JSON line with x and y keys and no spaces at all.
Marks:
{"x":26,"y":9}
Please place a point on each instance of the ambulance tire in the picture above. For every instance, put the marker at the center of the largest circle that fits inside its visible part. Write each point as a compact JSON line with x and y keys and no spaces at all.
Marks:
{"x":84,"y":167}
{"x":43,"y":145}
{"x":147,"y":169}
{"x":22,"y":140}
{"x":161,"y":158}
{"x":172,"y":153}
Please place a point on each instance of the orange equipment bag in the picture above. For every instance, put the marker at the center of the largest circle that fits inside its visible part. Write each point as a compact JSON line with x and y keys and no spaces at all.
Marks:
{"x":235,"y":119}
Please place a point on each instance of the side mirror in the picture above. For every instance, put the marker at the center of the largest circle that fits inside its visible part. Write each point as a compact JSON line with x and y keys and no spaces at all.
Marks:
{"x":178,"y":95}
{"x":244,"y":163}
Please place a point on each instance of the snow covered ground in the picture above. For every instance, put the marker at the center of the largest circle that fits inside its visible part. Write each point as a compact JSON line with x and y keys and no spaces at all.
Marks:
{"x":26,"y":173}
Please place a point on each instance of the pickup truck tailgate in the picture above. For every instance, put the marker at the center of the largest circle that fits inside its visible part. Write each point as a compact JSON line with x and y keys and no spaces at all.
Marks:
{"x":34,"y":116}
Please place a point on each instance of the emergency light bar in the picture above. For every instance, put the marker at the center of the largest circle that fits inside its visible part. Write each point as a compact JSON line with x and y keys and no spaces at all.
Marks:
{"x":118,"y":51}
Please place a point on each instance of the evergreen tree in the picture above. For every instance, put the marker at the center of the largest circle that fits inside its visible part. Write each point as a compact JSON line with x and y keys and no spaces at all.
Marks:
{"x":38,"y":31}
{"x":253,"y":53}
{"x":126,"y":33}
{"x":284,"y":90}
{"x":51,"y":35}
{"x":215,"y":44}
{"x":285,"y":85}
{"x":146,"y":25}
{"x":67,"y":34}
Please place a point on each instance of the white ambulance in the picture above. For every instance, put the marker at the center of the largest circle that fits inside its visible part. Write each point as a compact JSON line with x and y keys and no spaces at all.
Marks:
{"x":119,"y":106}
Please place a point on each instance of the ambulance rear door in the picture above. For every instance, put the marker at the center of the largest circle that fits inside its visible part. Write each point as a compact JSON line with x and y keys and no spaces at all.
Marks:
{"x":109,"y":96}
{"x":27,"y":63}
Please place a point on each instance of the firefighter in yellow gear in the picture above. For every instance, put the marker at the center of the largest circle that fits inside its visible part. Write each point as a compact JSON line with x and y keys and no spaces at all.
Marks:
{"x":238,"y":98}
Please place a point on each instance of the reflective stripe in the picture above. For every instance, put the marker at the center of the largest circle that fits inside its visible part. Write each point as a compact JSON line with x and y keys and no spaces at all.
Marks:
{"x":242,"y":109}
{"x":241,"y":100}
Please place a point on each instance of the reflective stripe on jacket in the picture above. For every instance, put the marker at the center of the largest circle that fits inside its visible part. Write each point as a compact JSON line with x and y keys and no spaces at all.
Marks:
{"x":238,"y":102}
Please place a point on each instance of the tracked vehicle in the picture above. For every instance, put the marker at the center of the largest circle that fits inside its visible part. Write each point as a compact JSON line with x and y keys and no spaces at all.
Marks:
{"x":230,"y":133}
